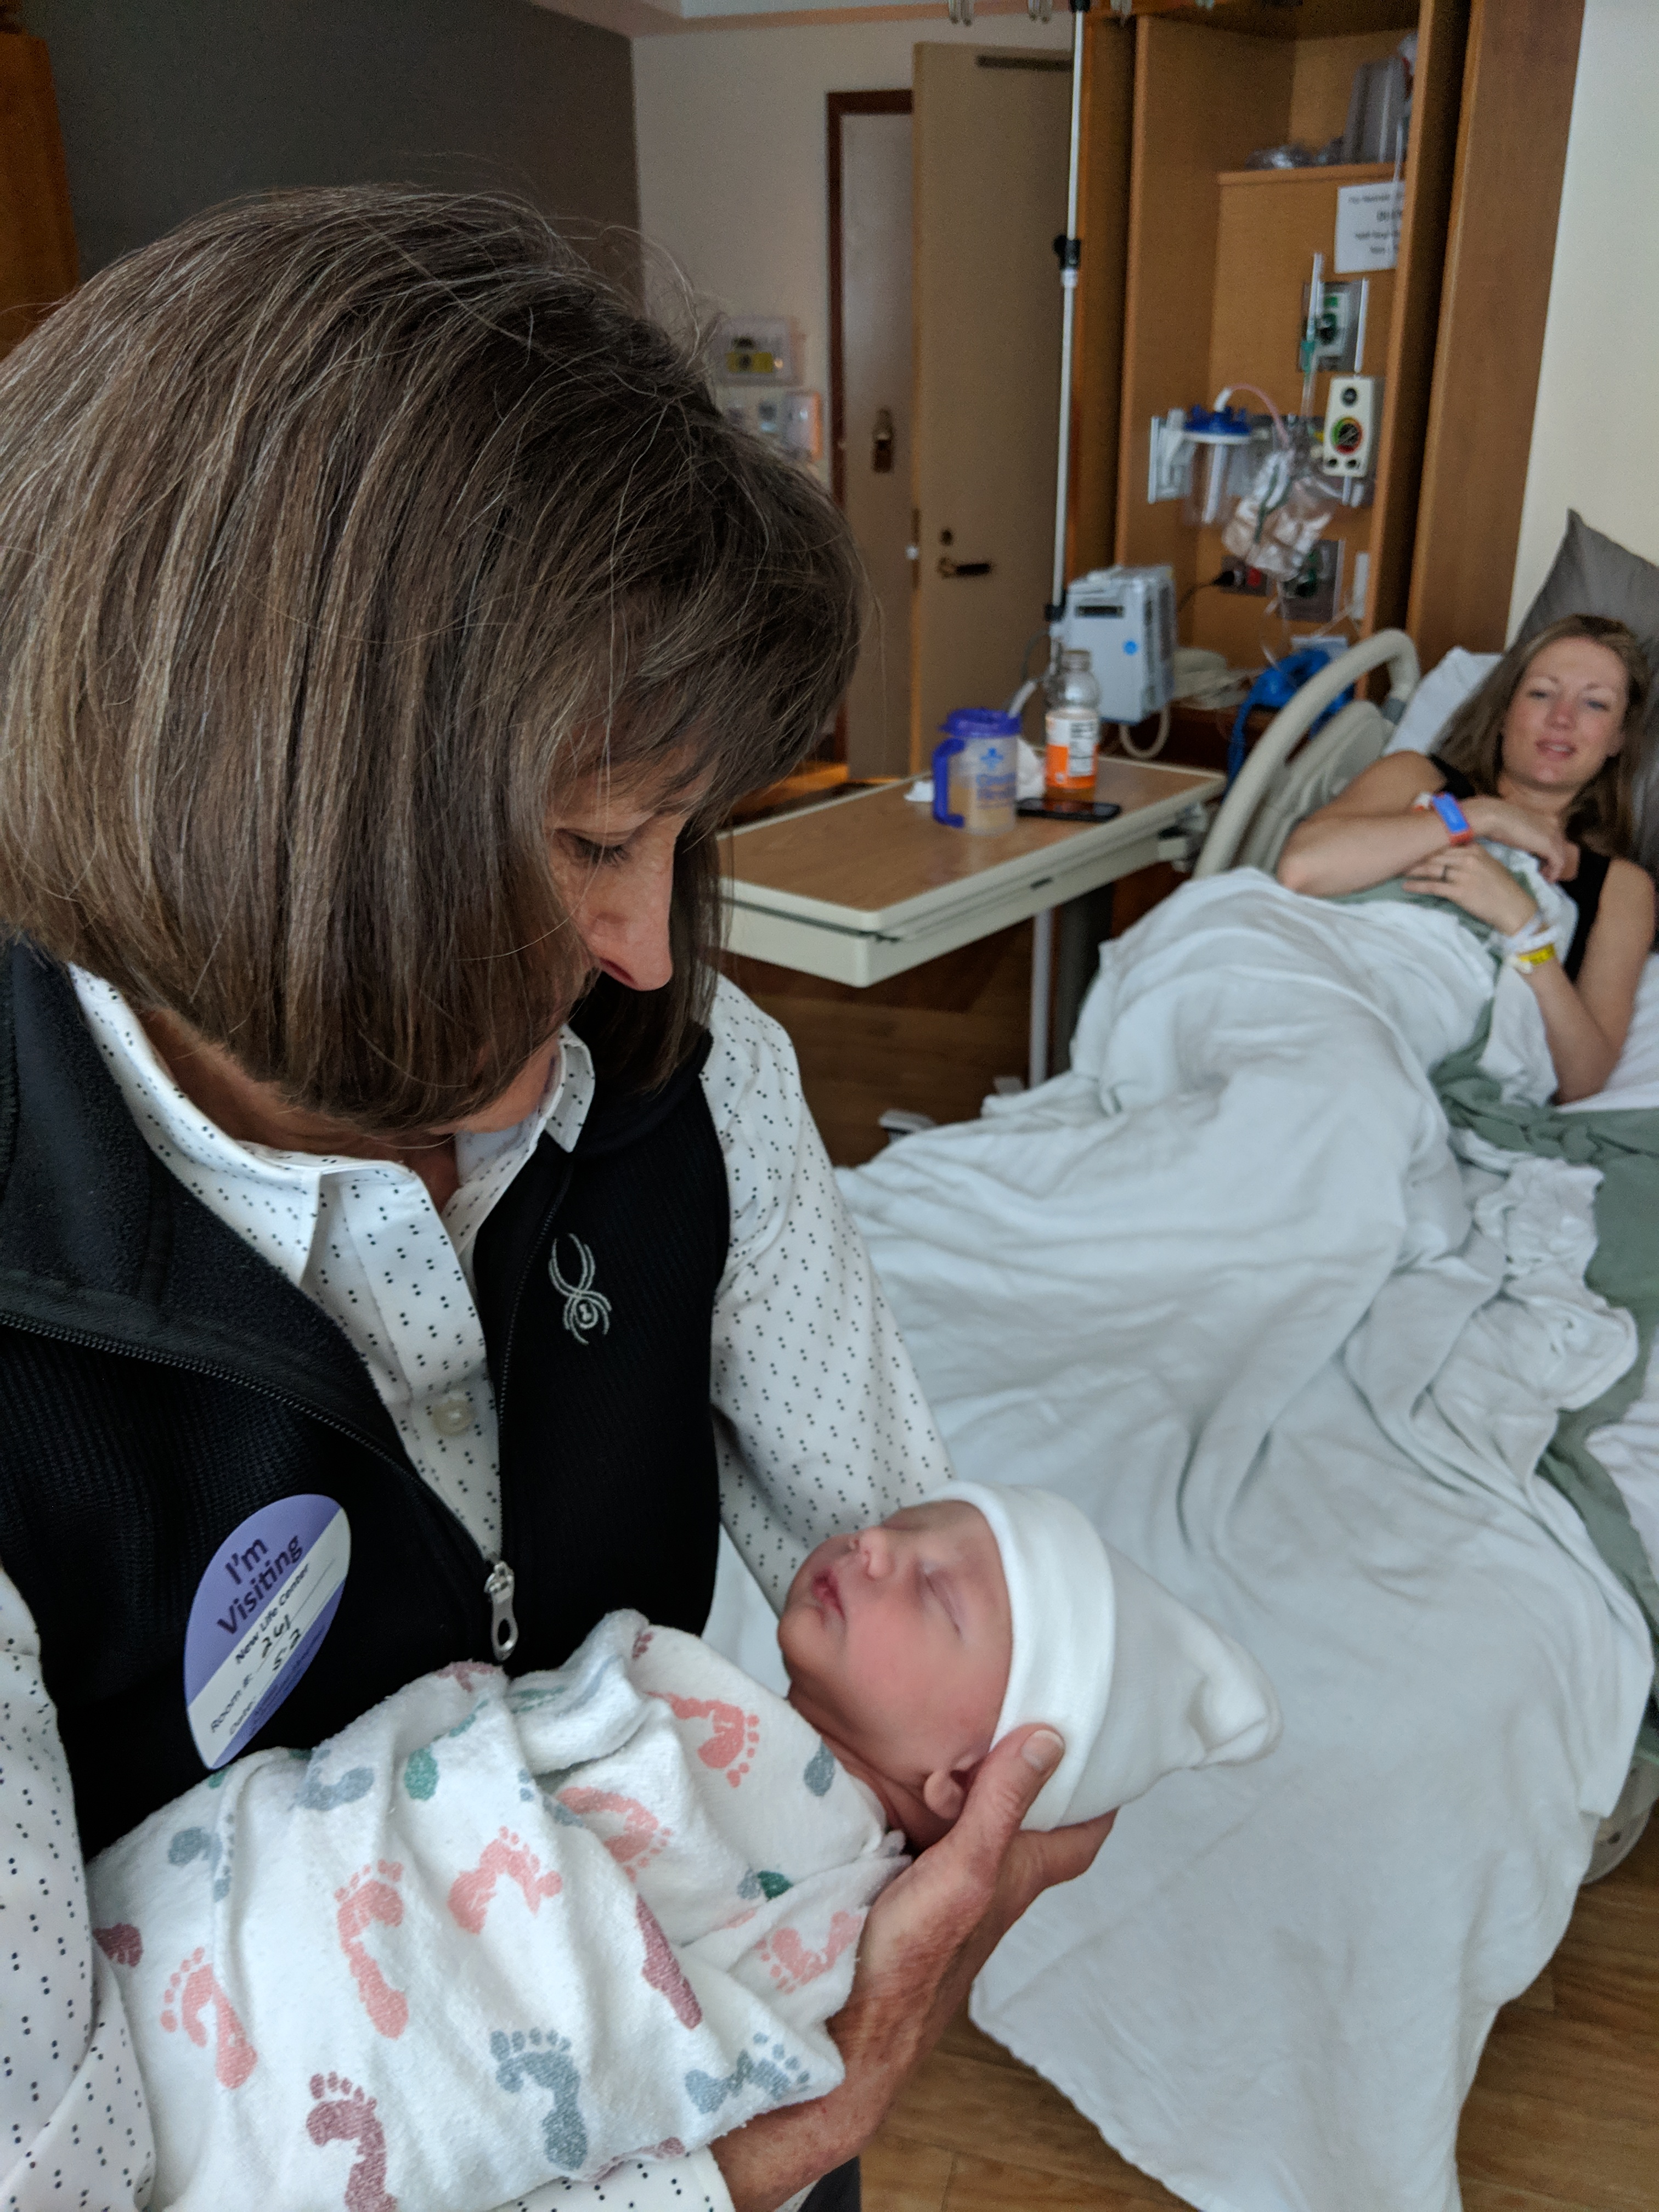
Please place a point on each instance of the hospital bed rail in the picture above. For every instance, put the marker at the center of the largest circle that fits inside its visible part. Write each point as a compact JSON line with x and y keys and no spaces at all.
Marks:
{"x":1272,"y":794}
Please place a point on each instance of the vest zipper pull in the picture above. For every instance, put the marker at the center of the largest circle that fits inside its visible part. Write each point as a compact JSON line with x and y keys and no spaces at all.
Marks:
{"x":503,"y":1627}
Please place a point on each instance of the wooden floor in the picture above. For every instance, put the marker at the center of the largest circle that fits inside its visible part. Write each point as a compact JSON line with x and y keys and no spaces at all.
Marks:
{"x":933,"y":1040}
{"x":1564,"y":2115}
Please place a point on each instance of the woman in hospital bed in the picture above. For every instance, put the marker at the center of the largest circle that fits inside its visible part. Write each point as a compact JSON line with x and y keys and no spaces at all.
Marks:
{"x":1231,"y":1285}
{"x":1540,"y":759}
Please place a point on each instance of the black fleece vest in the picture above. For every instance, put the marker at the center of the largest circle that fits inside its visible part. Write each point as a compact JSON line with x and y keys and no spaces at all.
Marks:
{"x":159,"y":1383}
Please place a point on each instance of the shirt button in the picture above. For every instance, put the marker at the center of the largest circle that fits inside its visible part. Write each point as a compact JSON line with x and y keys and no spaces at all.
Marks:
{"x":451,"y":1414}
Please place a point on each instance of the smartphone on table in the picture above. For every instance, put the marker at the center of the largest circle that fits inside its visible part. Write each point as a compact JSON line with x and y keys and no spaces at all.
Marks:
{"x":1049,"y":808}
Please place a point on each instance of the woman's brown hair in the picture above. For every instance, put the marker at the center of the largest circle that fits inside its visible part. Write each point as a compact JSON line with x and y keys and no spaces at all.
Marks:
{"x":340,"y":531}
{"x":1603,"y":815}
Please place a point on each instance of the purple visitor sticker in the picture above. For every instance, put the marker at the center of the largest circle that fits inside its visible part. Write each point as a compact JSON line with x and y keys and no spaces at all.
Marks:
{"x":261,"y":1612}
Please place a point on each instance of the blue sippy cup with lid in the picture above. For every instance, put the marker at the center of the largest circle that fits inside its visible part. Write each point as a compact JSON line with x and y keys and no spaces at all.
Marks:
{"x":977,"y":770}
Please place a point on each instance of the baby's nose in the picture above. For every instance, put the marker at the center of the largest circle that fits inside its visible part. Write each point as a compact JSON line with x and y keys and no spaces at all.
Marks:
{"x":876,"y":1551}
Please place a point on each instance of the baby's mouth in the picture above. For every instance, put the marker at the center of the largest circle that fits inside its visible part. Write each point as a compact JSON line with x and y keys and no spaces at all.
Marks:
{"x":825,"y":1594}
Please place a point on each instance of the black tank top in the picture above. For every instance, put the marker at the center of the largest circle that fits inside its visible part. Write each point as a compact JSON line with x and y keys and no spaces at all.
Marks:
{"x":1585,"y":888}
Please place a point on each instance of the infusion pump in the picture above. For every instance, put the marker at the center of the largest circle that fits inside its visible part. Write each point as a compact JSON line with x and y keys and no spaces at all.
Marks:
{"x":1125,"y":619}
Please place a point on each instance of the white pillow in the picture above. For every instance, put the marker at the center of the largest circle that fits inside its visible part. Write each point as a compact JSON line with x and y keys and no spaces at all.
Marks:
{"x":1438,"y":697}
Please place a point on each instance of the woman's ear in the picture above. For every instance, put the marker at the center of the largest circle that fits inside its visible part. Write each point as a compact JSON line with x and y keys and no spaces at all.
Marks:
{"x":944,"y":1792}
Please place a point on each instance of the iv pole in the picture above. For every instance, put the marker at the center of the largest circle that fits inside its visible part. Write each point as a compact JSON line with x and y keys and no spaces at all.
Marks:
{"x":1069,"y":247}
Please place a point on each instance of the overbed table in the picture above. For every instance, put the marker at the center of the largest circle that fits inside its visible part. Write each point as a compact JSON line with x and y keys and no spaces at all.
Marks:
{"x":863,"y":887}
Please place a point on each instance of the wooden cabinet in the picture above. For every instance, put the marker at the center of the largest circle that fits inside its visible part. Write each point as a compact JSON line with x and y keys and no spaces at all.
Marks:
{"x":37,"y":237}
{"x":1194,"y":268}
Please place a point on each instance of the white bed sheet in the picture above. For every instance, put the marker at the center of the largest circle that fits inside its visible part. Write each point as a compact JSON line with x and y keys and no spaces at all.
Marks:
{"x":741,"y":1624}
{"x":1432,"y":1912}
{"x":1257,"y":1332}
{"x":1629,"y":1450}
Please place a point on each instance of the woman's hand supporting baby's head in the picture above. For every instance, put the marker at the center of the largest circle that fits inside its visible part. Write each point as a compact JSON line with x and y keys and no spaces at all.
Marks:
{"x":898,"y":1642}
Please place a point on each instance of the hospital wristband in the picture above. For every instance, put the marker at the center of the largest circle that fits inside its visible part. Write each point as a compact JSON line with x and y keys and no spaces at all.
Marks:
{"x":1451,"y":814}
{"x":1524,"y":963}
{"x":1530,"y":936}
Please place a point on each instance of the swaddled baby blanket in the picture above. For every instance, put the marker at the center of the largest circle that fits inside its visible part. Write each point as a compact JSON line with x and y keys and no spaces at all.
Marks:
{"x":592,"y":1912}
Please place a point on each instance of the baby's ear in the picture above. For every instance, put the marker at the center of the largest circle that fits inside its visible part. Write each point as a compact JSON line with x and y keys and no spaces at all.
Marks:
{"x":944,"y":1792}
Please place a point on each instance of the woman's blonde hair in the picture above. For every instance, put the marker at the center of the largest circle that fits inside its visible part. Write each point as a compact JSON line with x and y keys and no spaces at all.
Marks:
{"x":1603,"y":815}
{"x":340,"y":531}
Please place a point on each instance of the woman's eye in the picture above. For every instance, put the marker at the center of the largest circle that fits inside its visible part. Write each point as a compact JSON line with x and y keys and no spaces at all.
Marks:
{"x":596,"y":856}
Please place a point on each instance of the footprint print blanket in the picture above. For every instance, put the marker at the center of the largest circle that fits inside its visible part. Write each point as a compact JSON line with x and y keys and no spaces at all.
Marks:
{"x":495,"y":1933}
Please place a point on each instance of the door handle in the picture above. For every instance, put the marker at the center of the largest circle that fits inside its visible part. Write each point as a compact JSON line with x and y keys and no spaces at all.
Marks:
{"x":947,"y":566}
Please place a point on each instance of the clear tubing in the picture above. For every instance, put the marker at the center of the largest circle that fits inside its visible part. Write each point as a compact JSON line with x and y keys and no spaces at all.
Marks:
{"x":1152,"y":747}
{"x":1280,"y":431}
{"x":1315,"y":308}
{"x":1216,"y":462}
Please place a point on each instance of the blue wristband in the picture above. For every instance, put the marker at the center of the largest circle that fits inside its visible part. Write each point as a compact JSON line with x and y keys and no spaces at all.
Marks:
{"x":1456,"y":822}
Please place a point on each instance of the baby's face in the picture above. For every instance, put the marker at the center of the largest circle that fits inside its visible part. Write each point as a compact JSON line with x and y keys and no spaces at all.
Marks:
{"x":898,"y":1642}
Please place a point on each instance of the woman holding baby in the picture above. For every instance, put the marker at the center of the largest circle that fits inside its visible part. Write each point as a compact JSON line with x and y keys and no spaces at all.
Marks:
{"x":387,"y":621}
{"x":1540,"y":759}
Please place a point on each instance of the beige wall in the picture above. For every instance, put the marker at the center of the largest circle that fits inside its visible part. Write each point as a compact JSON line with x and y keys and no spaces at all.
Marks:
{"x":730,"y":126}
{"x":1596,"y":434}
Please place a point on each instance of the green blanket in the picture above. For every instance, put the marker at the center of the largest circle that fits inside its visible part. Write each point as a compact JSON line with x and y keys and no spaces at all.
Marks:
{"x":1624,"y":1269}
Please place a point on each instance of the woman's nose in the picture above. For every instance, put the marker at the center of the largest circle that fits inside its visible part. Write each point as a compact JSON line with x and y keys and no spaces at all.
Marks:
{"x":626,"y":930}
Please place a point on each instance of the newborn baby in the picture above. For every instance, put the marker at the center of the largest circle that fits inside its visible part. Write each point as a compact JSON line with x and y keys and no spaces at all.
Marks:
{"x":913,"y":1646}
{"x":500,"y":1930}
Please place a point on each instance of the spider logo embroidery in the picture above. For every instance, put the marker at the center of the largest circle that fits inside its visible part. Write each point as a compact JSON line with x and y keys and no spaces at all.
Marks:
{"x":585,"y":1309}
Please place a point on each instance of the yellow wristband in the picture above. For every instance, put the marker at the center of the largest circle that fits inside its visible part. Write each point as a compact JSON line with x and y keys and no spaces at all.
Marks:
{"x":1535,"y":958}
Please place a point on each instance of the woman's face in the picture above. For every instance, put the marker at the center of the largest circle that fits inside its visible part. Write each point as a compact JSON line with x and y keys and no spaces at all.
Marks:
{"x":611,"y":847}
{"x":1567,"y":718}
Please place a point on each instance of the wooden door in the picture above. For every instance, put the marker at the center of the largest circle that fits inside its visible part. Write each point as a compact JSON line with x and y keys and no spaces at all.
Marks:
{"x":990,"y":138}
{"x":872,"y":375}
{"x":37,"y":238}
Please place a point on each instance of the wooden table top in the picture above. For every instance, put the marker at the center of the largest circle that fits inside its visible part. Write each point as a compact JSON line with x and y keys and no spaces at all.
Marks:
{"x":878,"y":851}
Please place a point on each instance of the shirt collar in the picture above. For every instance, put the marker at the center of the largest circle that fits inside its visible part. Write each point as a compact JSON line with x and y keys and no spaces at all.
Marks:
{"x":487,"y":1163}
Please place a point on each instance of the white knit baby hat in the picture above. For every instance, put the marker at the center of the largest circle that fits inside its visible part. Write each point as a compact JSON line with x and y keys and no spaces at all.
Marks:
{"x":1138,"y":1683}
